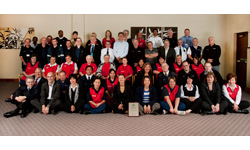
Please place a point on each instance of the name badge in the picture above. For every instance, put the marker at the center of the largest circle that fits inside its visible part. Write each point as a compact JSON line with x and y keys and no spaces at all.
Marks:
{"x":27,"y":55}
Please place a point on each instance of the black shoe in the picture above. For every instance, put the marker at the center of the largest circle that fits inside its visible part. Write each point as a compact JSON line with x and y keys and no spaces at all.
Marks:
{"x":8,"y":100}
{"x":23,"y":114}
{"x":86,"y":112}
{"x":10,"y":114}
{"x":242,"y":111}
{"x":53,"y":111}
{"x":81,"y":112}
{"x":35,"y":110}
{"x":153,"y":113}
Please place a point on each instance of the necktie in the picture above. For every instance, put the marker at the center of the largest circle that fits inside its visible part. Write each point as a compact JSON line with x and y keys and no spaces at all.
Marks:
{"x":108,"y":51}
{"x":92,"y":50}
{"x":35,"y":82}
{"x":88,"y":78}
{"x":180,"y":51}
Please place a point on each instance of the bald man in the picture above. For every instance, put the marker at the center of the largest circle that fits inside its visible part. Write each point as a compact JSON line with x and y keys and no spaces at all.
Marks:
{"x":211,"y":54}
{"x":50,"y":96}
{"x":41,"y":51}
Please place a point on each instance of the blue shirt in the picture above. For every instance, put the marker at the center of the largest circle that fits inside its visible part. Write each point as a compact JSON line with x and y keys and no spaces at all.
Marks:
{"x":77,"y":52}
{"x":187,"y":41}
{"x":146,"y":97}
{"x":63,"y":85}
{"x":120,"y":49}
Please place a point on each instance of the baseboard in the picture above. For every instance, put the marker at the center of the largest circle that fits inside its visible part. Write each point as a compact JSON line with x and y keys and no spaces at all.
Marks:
{"x":247,"y":89}
{"x":9,"y":80}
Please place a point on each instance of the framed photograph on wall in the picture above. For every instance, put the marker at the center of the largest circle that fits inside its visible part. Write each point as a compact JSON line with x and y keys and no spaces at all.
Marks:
{"x":135,"y":30}
{"x":165,"y":32}
{"x":150,"y":32}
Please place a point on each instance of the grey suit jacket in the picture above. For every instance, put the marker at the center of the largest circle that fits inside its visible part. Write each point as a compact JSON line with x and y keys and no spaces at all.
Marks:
{"x":56,"y":91}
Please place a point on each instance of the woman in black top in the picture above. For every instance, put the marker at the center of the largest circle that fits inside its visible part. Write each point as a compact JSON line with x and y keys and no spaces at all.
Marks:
{"x":73,"y":97}
{"x":121,"y":95}
{"x":210,"y":92}
{"x":146,"y":71}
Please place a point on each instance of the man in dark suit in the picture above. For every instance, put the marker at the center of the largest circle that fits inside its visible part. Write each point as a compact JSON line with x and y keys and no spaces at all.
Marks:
{"x":79,"y":53}
{"x":22,"y":97}
{"x":167,"y":53}
{"x":50,"y":95}
{"x":86,"y":81}
{"x":163,"y":79}
{"x":183,"y":74}
{"x":94,"y":50}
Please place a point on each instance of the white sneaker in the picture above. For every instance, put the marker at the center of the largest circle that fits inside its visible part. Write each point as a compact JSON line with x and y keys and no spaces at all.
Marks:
{"x":164,"y":112}
{"x":182,"y":113}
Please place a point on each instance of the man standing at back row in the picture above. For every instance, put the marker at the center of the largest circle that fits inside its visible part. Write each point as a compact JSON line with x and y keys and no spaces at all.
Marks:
{"x":211,"y":54}
{"x":187,"y":39}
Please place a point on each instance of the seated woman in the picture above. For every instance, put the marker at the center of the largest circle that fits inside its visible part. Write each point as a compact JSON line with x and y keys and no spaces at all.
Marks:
{"x":146,"y":95}
{"x":177,"y":66}
{"x":29,"y":69}
{"x":89,"y":62}
{"x":190,"y":96}
{"x":210,"y":92}
{"x":157,"y":67}
{"x":232,"y":92}
{"x":171,"y":103}
{"x":69,"y":66}
{"x":22,"y":97}
{"x":73,"y":102}
{"x":111,"y":82}
{"x":126,"y":70}
{"x":96,"y":98}
{"x":122,"y":95}
{"x":197,"y":67}
{"x":50,"y":67}
{"x":146,"y":71}
{"x":139,"y":66}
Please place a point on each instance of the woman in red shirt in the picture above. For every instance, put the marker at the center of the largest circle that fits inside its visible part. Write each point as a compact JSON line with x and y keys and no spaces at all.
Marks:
{"x":108,"y":37}
{"x":141,"y":42}
{"x":197,"y":67}
{"x":111,"y":82}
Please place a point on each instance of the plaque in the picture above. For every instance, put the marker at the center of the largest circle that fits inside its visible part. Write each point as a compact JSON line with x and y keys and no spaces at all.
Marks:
{"x":133,"y":109}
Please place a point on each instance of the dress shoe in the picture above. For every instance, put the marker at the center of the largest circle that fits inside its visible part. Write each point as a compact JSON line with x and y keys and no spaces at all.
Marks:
{"x":242,"y":111}
{"x":8,"y":100}
{"x":153,"y":113}
{"x":53,"y":111}
{"x":11,"y":114}
{"x":86,"y":112}
{"x":81,"y":112}
{"x":35,"y":110}
{"x":23,"y":114}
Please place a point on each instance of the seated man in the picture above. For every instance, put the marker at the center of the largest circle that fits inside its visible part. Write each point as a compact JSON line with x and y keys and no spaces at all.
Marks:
{"x":89,"y":62}
{"x":56,"y":51}
{"x":50,"y":96}
{"x":22,"y":97}
{"x":182,"y":75}
{"x":208,"y":68}
{"x":63,"y":81}
{"x":103,"y":68}
{"x":86,"y":81}
{"x":51,"y":67}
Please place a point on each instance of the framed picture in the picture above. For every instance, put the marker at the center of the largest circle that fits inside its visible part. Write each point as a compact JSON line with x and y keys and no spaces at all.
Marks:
{"x":135,"y":30}
{"x":150,"y":32}
{"x":165,"y":32}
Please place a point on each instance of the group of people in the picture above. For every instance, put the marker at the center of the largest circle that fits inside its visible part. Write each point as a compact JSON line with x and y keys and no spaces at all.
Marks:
{"x":164,"y":77}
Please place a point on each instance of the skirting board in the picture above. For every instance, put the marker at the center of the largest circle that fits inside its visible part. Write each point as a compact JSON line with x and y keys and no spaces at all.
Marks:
{"x":9,"y":80}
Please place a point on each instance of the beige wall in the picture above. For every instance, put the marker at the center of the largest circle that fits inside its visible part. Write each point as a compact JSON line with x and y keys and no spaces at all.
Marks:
{"x":222,"y":27}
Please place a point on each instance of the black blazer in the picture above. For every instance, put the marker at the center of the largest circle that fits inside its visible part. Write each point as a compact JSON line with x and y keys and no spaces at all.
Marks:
{"x":80,"y":96}
{"x":170,"y":59}
{"x":217,"y":75}
{"x":212,"y":97}
{"x":33,"y":93}
{"x":82,"y":56}
{"x":117,"y":95}
{"x":182,"y":77}
{"x":40,"y":83}
{"x":163,"y":80}
{"x":96,"y":54}
{"x":86,"y":84}
{"x":56,"y":91}
{"x":97,"y":40}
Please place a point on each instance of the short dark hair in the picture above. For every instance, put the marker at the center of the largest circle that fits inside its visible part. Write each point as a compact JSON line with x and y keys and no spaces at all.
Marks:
{"x":112,"y":70}
{"x":147,"y":77}
{"x":172,"y":77}
{"x":120,"y":33}
{"x":98,"y":78}
{"x":62,"y":72}
{"x":186,"y":29}
{"x":89,"y":67}
{"x":73,"y":76}
{"x":49,"y":36}
{"x":54,"y":39}
{"x":68,"y":55}
{"x":60,"y":31}
{"x":75,"y":32}
{"x":230,"y":76}
{"x":33,"y":55}
{"x":155,"y":30}
{"x":34,"y":38}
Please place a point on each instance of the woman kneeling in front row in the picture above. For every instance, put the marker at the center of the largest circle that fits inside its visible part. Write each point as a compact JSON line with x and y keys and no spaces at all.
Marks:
{"x":171,"y":102}
{"x":96,"y":98}
{"x":146,"y":95}
{"x":190,"y":96}
{"x":233,"y":93}
{"x":210,"y":92}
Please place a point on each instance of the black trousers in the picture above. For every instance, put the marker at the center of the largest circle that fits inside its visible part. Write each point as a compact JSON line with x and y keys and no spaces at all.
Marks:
{"x":38,"y":105}
{"x":223,"y":106}
{"x":109,"y":107}
{"x":116,"y":110}
{"x":79,"y":105}
{"x":243,"y":105}
{"x":194,"y":106}
{"x":23,"y":106}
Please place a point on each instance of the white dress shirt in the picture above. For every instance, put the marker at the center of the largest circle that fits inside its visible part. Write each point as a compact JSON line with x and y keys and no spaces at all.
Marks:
{"x":226,"y":94}
{"x":197,"y":95}
{"x":157,"y":41}
{"x":50,"y":90}
{"x":111,"y":54}
{"x":184,"y":52}
{"x":88,"y":76}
